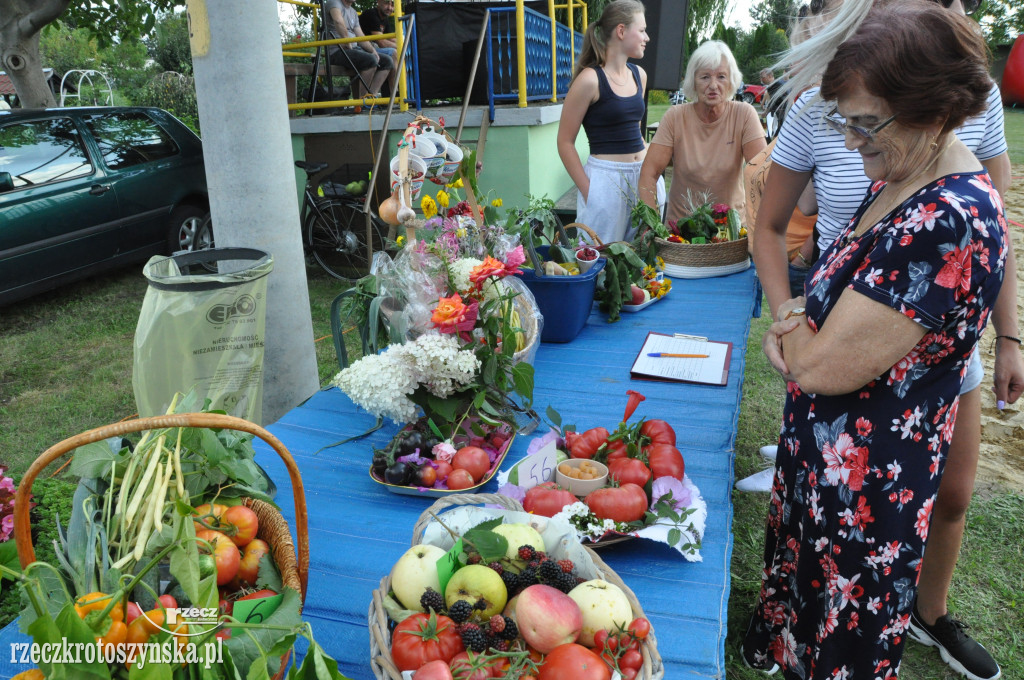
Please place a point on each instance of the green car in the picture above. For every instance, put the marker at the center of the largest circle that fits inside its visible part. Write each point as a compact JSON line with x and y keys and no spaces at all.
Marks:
{"x":83,"y":190}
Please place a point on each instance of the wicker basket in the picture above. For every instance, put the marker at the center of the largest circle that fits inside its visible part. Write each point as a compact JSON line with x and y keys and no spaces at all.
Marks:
{"x":273,"y":528}
{"x":702,"y":254}
{"x":380,"y":632}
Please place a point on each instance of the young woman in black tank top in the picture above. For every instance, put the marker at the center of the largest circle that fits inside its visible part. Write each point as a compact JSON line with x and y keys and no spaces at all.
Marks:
{"x":606,"y":98}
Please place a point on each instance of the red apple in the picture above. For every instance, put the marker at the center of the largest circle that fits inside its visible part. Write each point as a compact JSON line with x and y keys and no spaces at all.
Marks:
{"x":547,"y":617}
{"x":637,"y":295}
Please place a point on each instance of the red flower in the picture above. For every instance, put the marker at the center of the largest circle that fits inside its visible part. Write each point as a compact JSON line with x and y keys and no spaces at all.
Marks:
{"x":956,"y":273}
{"x":486,"y":269}
{"x":634,"y":400}
{"x":452,"y":315}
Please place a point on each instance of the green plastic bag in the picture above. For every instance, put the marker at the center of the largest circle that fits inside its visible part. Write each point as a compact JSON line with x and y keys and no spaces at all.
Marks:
{"x":202,"y":324}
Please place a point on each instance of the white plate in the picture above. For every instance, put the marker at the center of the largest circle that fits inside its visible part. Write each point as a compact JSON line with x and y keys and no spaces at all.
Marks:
{"x":681,"y":272}
{"x":637,"y":308}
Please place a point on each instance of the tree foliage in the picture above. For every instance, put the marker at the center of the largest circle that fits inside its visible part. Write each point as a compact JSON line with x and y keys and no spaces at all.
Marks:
{"x":705,"y":16}
{"x":777,"y":13}
{"x":1002,"y":21}
{"x":169,"y":45}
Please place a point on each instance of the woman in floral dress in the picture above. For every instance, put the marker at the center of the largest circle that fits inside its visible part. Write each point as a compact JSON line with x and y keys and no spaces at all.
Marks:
{"x":875,"y":355}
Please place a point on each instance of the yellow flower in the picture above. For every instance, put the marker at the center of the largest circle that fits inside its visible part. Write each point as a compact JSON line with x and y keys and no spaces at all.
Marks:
{"x":496,"y":203}
{"x":400,"y":241}
{"x":457,"y":184}
{"x":743,"y":232}
{"x":442,"y":198}
{"x":461,"y":233}
{"x":659,"y":263}
{"x":649,"y":272}
{"x":428,"y":206}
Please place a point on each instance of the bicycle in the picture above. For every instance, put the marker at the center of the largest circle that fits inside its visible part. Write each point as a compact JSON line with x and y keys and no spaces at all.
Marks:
{"x":337,"y":230}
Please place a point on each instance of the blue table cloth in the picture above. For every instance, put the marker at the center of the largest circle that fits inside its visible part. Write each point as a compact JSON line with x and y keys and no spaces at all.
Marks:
{"x":358,"y":529}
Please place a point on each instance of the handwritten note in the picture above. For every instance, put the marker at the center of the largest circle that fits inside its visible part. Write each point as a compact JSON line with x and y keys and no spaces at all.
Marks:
{"x":448,"y":564}
{"x":709,"y":370}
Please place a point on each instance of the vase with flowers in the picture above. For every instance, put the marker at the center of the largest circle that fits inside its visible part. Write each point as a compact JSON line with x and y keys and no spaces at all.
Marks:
{"x":462,"y":332}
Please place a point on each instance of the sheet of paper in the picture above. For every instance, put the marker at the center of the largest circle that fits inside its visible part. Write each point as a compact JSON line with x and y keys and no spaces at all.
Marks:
{"x":707,"y":370}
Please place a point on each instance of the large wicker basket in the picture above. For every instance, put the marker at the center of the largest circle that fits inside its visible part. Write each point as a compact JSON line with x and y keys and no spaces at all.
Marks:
{"x":273,"y":528}
{"x":380,"y":628}
{"x":702,"y":254}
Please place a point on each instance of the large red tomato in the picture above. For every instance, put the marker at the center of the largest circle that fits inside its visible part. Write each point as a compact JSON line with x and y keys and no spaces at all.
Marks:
{"x":665,"y":461}
{"x":461,"y":666}
{"x":547,"y":499}
{"x":433,"y":670}
{"x":659,"y":432}
{"x":585,"y":445}
{"x":573,"y":661}
{"x":473,"y":460}
{"x":249,"y":566}
{"x":629,"y":470}
{"x":242,"y":524}
{"x":616,"y":450}
{"x":224,"y":551}
{"x":422,"y":638}
{"x":626,"y":503}
{"x":460,"y":479}
{"x":215,"y":522}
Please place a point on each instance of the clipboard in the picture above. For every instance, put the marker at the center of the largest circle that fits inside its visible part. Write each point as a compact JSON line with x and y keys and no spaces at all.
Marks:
{"x":713,"y":370}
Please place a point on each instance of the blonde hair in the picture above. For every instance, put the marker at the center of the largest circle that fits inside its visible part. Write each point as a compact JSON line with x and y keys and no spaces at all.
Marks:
{"x":595,"y":41}
{"x":708,"y":56}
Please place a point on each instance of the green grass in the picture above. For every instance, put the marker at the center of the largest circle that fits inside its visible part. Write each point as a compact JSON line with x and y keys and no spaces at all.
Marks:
{"x":1014,"y":127}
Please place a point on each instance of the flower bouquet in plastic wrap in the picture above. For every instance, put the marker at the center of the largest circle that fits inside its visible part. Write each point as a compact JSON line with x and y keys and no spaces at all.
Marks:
{"x":453,"y":335}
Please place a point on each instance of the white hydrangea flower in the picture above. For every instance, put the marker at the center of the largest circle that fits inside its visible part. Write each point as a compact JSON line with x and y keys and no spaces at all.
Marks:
{"x":460,"y":270}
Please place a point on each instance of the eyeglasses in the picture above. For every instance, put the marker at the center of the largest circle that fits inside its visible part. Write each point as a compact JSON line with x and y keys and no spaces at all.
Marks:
{"x":839,"y":124}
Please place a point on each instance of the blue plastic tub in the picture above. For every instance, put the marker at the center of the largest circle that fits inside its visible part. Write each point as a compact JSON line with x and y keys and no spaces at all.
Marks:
{"x":564,"y":301}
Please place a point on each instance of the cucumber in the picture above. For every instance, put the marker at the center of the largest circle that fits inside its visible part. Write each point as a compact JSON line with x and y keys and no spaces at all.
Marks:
{"x":734,"y":224}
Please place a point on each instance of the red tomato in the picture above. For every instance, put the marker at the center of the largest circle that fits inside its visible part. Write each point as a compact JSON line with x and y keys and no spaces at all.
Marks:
{"x":461,"y":666}
{"x":547,"y":499}
{"x":629,"y":471}
{"x":659,"y":432}
{"x":665,"y":461}
{"x":443,"y":470}
{"x":422,"y":638}
{"x":426,"y":476}
{"x":217,"y":510}
{"x":224,"y":551}
{"x":585,"y":445}
{"x":600,"y":639}
{"x":626,"y":503}
{"x":460,"y":479}
{"x":472,"y":459}
{"x":639,"y":628}
{"x":249,"y":566}
{"x":433,"y":670}
{"x":616,"y":450}
{"x":242,"y":524}
{"x":629,"y":673}
{"x":573,"y":661}
{"x":132,"y":612}
{"x":259,"y":595}
{"x":168,"y":601}
{"x":631,"y":659}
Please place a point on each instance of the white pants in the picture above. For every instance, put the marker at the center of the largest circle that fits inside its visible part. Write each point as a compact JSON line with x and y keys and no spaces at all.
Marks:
{"x":613,"y":193}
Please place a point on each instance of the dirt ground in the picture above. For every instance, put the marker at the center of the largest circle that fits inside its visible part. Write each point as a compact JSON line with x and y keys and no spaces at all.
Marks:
{"x":1002,"y":433}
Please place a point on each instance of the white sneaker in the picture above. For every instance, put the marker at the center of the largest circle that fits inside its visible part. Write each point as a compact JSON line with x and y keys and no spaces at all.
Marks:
{"x":770,"y":452}
{"x":759,"y":481}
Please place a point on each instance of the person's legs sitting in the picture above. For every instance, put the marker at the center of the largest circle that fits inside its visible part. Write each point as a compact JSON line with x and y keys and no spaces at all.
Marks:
{"x":383,"y":71}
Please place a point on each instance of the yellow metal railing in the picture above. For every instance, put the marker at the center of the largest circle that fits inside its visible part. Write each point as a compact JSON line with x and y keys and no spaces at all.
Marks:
{"x":297,"y":49}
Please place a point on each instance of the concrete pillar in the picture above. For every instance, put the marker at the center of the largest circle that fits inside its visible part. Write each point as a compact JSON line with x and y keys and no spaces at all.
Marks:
{"x":236,"y":56}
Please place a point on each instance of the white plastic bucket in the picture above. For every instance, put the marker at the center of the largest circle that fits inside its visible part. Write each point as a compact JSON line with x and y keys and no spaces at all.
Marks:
{"x":452,"y":161}
{"x":435,"y":163}
{"x":417,"y":166}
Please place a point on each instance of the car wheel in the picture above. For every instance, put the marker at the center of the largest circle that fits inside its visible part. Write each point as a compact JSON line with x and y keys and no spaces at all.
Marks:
{"x":186,"y":230}
{"x":748,"y":97}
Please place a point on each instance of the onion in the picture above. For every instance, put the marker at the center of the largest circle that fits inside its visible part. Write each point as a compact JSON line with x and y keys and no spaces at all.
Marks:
{"x":388,"y":209}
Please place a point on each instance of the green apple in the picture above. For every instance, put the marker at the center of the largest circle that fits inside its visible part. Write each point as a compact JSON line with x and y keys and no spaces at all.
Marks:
{"x":519,"y":535}
{"x":414,"y":572}
{"x":604,"y":607}
{"x":475,"y":582}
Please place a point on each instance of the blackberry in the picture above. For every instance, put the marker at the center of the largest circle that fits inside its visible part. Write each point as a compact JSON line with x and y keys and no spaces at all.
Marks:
{"x":502,"y":645}
{"x":497,"y":623}
{"x":511,"y":580}
{"x":511,"y":632}
{"x":549,"y":572}
{"x":496,"y":566}
{"x":565,"y":582}
{"x":480,"y":604}
{"x":528,"y":577}
{"x":431,"y":599}
{"x":526,"y":552}
{"x":459,"y":611}
{"x":540,"y":555}
{"x":473,"y":558}
{"x":475,"y":640}
{"x":566,"y":565}
{"x":468,"y":626}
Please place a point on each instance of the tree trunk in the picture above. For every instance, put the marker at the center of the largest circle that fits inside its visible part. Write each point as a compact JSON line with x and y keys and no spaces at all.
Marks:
{"x":20,"y":23}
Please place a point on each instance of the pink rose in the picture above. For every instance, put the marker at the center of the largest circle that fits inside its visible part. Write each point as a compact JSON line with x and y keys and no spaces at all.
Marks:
{"x":443,"y":452}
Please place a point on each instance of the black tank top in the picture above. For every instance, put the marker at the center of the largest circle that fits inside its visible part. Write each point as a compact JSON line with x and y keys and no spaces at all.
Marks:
{"x":612,"y":123}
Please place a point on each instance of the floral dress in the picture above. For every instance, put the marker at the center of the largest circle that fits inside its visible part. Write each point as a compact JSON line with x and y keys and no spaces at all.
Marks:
{"x":856,"y":475}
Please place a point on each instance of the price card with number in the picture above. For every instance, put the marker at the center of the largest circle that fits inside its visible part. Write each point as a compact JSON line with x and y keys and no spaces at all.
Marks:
{"x":447,"y":565}
{"x":256,"y":611}
{"x":538,"y":467}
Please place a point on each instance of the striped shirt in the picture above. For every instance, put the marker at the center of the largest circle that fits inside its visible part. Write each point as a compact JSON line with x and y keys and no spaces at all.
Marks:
{"x":807,"y":144}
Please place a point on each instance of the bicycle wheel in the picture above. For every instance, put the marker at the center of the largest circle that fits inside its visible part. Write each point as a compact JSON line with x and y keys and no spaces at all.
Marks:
{"x":336,"y":233}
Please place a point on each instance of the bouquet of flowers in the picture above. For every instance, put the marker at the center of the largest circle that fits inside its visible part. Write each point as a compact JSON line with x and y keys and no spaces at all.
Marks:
{"x":707,"y":223}
{"x":458,"y":330}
